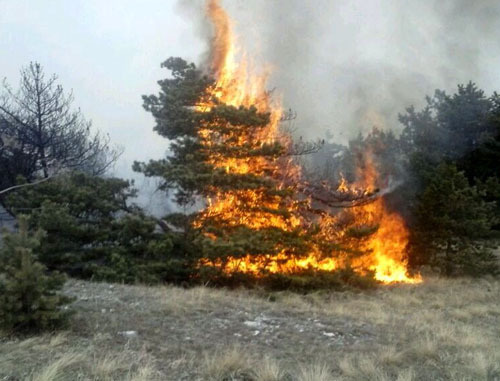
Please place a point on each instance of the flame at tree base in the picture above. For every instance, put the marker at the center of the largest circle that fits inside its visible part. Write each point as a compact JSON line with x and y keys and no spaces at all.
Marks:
{"x":387,"y":247}
{"x":385,"y":254}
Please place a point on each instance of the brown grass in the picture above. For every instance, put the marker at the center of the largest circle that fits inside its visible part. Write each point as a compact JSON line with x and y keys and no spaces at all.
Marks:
{"x":442,"y":329}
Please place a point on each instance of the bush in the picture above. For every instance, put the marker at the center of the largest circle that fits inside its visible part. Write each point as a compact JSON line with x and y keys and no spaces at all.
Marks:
{"x":29,"y":300}
{"x":92,"y":231}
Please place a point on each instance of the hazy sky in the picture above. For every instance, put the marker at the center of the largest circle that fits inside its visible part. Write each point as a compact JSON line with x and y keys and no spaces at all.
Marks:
{"x":109,"y":52}
{"x":343,"y":65}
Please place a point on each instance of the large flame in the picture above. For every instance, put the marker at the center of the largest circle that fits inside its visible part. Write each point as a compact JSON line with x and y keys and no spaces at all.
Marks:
{"x":386,"y":247}
{"x":237,"y":85}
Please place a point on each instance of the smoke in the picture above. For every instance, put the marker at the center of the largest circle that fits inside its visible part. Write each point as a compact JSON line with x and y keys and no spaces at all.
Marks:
{"x":346,"y":66}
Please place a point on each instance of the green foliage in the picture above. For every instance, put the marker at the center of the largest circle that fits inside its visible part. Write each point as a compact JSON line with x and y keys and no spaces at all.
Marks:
{"x":453,"y":146}
{"x":173,"y":109}
{"x":29,"y":298}
{"x":92,"y":231}
{"x":187,"y":171}
{"x":240,"y":241}
{"x":451,"y":219}
{"x":305,"y":281}
{"x":450,"y":125}
{"x":481,"y":166}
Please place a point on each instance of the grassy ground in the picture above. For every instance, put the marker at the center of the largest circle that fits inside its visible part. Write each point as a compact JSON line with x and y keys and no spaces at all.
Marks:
{"x":440,"y":330}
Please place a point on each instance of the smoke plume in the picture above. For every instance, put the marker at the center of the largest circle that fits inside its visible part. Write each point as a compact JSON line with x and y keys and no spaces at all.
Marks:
{"x":346,"y":66}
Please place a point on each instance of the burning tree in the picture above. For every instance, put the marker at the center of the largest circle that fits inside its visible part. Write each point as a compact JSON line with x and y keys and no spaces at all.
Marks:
{"x":258,"y":214}
{"x":234,"y":157}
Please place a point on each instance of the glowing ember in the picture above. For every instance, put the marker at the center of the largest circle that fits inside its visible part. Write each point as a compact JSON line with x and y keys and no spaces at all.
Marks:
{"x":237,"y":86}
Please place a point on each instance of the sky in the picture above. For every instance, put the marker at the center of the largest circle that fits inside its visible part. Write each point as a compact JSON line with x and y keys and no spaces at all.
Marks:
{"x":108,"y":53}
{"x":342,"y":65}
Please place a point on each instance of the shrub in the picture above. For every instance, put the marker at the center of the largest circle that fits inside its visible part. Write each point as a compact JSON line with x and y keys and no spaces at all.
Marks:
{"x":305,"y":281}
{"x":92,"y":231}
{"x":29,"y":298}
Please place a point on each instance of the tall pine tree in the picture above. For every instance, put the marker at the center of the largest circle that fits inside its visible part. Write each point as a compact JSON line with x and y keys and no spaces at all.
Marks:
{"x":220,"y":154}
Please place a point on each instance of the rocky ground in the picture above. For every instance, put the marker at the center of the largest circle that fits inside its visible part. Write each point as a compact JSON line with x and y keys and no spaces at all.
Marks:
{"x":442,"y":329}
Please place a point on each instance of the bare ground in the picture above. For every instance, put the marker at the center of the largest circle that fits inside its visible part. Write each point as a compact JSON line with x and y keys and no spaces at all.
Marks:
{"x":440,"y":330}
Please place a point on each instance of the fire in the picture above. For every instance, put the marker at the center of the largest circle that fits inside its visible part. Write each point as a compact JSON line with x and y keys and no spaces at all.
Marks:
{"x":343,"y":186}
{"x":237,"y":85}
{"x":386,"y":247}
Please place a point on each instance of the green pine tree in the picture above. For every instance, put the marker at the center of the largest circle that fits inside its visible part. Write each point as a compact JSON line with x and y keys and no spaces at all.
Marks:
{"x":452,"y":223}
{"x":453,"y":149}
{"x":202,"y":139}
{"x":29,"y":298}
{"x":481,"y":164}
{"x":93,"y":231}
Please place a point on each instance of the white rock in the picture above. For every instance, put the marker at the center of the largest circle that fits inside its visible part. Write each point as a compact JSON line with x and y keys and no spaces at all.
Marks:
{"x":329,"y":334}
{"x":129,"y":334}
{"x":252,"y":324}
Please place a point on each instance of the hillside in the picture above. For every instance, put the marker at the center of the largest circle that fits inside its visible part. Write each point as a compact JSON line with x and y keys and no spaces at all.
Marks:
{"x":442,"y":329}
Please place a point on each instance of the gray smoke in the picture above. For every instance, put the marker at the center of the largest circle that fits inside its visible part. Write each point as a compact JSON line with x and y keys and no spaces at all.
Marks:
{"x":346,"y":66}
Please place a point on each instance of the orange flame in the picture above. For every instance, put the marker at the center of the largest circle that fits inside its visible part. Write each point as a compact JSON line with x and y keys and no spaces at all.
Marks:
{"x":237,"y":85}
{"x":386,"y":247}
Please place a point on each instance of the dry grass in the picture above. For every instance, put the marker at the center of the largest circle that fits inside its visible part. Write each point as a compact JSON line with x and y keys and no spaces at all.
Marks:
{"x":315,"y":372}
{"x":52,"y":358}
{"x":440,"y":330}
{"x":58,"y":369}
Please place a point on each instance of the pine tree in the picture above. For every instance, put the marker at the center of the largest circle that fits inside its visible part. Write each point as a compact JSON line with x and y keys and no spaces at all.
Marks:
{"x":29,"y":298}
{"x":452,"y":221}
{"x":450,"y":125}
{"x":205,"y":143}
{"x":481,"y":164}
{"x":44,"y":133}
{"x":92,"y":229}
{"x":453,"y":150}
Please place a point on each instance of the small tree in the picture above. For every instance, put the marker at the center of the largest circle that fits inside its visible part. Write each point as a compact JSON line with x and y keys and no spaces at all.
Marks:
{"x":192,"y":171}
{"x":28,"y":294}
